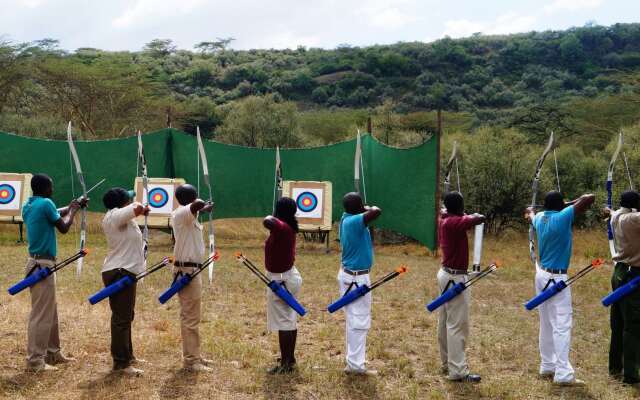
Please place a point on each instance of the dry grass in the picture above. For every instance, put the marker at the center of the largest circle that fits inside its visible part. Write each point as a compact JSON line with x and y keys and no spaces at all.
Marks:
{"x":402,"y":342}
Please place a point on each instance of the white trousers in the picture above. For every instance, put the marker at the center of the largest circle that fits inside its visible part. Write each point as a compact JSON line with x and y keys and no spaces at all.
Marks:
{"x":453,"y":327}
{"x":556,"y":318}
{"x":358,"y":321}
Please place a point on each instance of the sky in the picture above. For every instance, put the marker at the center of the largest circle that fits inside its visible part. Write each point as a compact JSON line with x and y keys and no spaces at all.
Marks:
{"x":128,"y":25}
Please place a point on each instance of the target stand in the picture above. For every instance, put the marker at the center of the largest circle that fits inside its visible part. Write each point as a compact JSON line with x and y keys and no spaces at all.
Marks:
{"x":15,"y":189}
{"x":161,"y":200}
{"x":314,"y":203}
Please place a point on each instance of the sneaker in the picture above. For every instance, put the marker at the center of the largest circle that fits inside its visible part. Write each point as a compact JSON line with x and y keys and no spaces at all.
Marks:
{"x":138,"y":361}
{"x":206,"y":362}
{"x":573,"y":383}
{"x":282,"y":369}
{"x":470,"y":378}
{"x":57,"y":358}
{"x":365,"y":372}
{"x":546,"y":374}
{"x":130,"y":371}
{"x":42,"y":368}
{"x":197,"y":367}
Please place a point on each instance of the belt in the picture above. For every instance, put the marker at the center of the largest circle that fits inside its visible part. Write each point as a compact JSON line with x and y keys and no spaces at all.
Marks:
{"x":454,"y":271}
{"x":41,"y":257}
{"x":356,"y":273}
{"x":554,"y":271}
{"x":186,"y":264}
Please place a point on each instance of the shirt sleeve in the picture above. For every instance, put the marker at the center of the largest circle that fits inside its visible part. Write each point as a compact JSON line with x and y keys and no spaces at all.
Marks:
{"x":567,"y":216}
{"x":122,"y":216}
{"x":183,"y":215}
{"x":469,"y":221}
{"x":51,"y":212}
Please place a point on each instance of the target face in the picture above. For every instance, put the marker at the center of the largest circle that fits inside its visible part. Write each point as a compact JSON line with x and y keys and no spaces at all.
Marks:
{"x":307,"y":202}
{"x":7,"y":193}
{"x":158,"y":197}
{"x":10,"y":193}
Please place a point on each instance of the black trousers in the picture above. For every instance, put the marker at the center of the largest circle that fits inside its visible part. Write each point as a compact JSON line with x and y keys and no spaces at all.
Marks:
{"x":122,"y":312}
{"x":624,"y":352}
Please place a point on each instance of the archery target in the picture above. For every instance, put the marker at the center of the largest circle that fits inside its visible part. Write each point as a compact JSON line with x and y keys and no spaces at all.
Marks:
{"x":309,"y":201}
{"x":160,"y":198}
{"x":10,"y":195}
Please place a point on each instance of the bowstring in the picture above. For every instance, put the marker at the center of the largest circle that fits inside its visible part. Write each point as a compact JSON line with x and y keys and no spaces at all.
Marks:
{"x":626,"y":166}
{"x":458,"y":175}
{"x":364,"y":187}
{"x":555,"y":160}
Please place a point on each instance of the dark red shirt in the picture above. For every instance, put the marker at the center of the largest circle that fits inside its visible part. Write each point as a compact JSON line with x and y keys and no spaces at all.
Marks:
{"x":452,"y":235}
{"x":280,"y":248}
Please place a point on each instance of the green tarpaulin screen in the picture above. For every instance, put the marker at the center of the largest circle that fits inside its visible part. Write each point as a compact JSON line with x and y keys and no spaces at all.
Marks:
{"x":401,"y":181}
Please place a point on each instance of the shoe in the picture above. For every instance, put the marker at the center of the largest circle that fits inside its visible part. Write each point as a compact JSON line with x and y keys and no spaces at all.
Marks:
{"x":282,"y":369}
{"x":444,"y":370}
{"x":206,"y":362}
{"x":632,"y":382}
{"x":42,"y":368}
{"x":546,"y":374}
{"x":57,"y":358}
{"x":573,"y":383}
{"x":130,"y":371}
{"x":197,"y":367}
{"x":138,"y":361}
{"x":365,"y":372}
{"x":471,"y":378}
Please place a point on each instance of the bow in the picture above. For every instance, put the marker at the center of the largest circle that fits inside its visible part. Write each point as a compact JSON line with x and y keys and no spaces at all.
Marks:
{"x":145,"y":196}
{"x":447,"y":171}
{"x":83,"y":215}
{"x":205,"y":172}
{"x":551,"y":145}
{"x":358,"y":170}
{"x":610,"y":172}
{"x":278,"y":182}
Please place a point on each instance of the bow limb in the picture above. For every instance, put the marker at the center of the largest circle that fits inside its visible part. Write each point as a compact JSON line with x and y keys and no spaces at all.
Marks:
{"x":551,"y":144}
{"x":449,"y":166}
{"x":610,"y":173}
{"x":205,"y":172}
{"x":83,"y":215}
{"x":277,"y":180}
{"x":145,"y":197}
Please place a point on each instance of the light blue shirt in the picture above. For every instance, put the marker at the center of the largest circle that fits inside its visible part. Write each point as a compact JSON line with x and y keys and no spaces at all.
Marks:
{"x":554,"y":231}
{"x":40,"y":216}
{"x":357,"y":249}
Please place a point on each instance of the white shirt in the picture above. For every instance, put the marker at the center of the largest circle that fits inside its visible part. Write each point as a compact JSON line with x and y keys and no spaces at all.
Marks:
{"x":626,"y":230}
{"x":124,"y":241}
{"x":188,"y":233}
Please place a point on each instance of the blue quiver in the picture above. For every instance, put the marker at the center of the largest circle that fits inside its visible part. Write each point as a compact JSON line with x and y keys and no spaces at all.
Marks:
{"x":622,"y":291}
{"x":546,"y":295}
{"x":447,"y":296}
{"x":35,"y":277}
{"x":112,"y":289}
{"x":177,"y":286}
{"x":348,"y":298}
{"x":287,"y":297}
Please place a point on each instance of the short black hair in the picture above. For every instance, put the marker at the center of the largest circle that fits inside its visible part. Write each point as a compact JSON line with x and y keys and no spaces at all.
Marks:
{"x":554,"y":201}
{"x":40,"y":184}
{"x":630,"y":199}
{"x":286,"y":210}
{"x":186,"y":194}
{"x":352,"y":203}
{"x":115,"y":198}
{"x":454,"y":203}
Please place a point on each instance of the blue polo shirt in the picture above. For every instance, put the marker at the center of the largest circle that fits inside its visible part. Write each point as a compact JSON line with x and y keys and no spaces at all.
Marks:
{"x":40,"y":216}
{"x":554,"y":230}
{"x":357,"y":249}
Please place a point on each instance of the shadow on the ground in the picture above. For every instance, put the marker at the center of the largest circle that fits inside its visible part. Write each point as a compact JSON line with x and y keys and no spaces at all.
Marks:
{"x":17,"y":383}
{"x":180,"y":385}
{"x":282,"y":387}
{"x":101,"y":387}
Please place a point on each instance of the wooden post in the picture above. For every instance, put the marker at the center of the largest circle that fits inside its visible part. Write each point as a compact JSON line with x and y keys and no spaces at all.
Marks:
{"x":437,"y":195}
{"x":369,"y":126}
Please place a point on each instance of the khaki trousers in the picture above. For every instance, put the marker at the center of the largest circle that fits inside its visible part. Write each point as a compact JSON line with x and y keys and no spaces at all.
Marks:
{"x":42,"y":331}
{"x":453,"y":327}
{"x":190,"y":300}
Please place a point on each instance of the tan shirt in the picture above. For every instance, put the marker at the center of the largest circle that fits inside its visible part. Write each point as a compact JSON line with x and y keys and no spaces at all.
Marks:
{"x":188,"y":233}
{"x":626,"y":236}
{"x":124,"y":241}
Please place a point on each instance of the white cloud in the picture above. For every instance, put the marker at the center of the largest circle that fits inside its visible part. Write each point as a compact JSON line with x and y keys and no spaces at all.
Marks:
{"x":571,"y":5}
{"x":388,"y":14}
{"x":506,"y":23}
{"x":152,"y":10}
{"x":30,"y":3}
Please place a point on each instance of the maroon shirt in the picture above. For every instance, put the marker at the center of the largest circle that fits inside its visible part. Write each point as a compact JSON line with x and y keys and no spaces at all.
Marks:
{"x":452,"y":234}
{"x":280,"y":248}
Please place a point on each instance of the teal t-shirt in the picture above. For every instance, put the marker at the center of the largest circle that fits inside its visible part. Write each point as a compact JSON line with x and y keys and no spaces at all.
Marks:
{"x":40,"y":216}
{"x":357,"y":250}
{"x":554,"y":231}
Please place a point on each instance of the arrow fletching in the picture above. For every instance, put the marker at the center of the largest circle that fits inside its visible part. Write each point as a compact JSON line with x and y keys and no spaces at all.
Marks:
{"x":597,"y":263}
{"x":402,"y":269}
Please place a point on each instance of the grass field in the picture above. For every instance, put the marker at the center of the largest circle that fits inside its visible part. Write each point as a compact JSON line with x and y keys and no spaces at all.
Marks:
{"x":402,"y":342}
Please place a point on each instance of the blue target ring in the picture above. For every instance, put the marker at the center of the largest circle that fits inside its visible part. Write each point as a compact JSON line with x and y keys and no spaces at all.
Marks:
{"x":7,"y":193}
{"x":307,"y":202}
{"x":158,"y":197}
